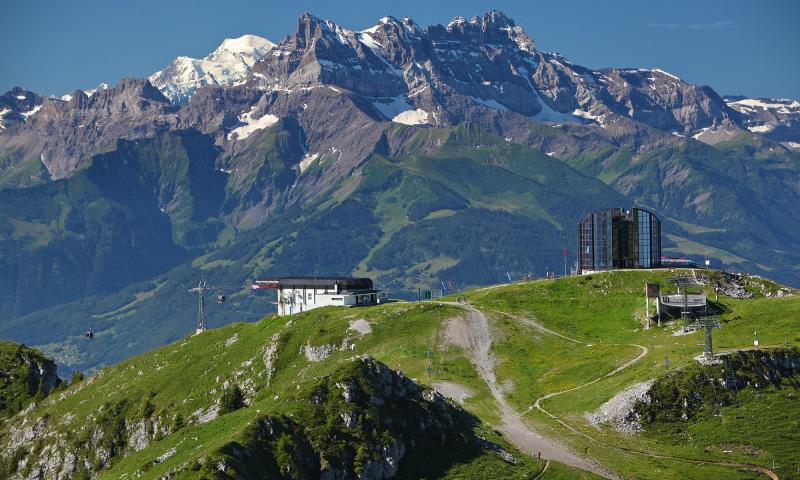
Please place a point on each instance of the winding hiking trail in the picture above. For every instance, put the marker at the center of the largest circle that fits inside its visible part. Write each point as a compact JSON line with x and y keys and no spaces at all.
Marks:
{"x":643,"y":352}
{"x":472,"y":333}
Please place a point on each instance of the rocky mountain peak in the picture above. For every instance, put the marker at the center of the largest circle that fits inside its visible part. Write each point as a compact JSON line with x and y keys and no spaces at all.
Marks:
{"x":494,"y":28}
{"x":17,"y":105}
{"x":129,"y":93}
{"x":494,"y":19}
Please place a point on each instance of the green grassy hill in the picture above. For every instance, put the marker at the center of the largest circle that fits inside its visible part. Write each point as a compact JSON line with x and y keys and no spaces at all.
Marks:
{"x":603,"y":316}
{"x":572,"y":344}
{"x":166,"y":404}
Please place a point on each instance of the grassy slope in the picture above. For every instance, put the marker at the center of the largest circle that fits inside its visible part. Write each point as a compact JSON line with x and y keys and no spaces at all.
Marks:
{"x":606,"y":311}
{"x":184,"y":377}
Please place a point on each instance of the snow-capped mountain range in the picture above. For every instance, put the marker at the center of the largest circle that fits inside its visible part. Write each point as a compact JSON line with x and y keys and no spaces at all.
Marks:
{"x":485,"y":70}
{"x":230,"y":63}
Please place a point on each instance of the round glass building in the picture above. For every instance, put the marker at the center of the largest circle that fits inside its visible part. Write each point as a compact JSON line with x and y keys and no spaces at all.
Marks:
{"x":618,"y":238}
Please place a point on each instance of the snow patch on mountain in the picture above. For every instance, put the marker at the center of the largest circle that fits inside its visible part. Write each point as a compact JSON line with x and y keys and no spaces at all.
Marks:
{"x":228,"y":64}
{"x":89,"y":93}
{"x":412,"y":117}
{"x":251,"y":125}
{"x":400,"y":110}
{"x":664,"y":72}
{"x":31,"y":111}
{"x":778,"y":105}
{"x":762,"y":128}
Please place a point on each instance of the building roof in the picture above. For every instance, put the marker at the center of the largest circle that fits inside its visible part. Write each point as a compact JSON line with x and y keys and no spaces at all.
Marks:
{"x":620,"y":210}
{"x":346,"y":283}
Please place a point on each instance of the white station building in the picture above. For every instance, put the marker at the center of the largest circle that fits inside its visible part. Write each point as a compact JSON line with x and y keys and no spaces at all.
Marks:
{"x":300,"y":294}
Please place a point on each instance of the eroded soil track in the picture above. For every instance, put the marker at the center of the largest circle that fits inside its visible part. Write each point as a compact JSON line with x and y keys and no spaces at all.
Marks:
{"x":472,"y":333}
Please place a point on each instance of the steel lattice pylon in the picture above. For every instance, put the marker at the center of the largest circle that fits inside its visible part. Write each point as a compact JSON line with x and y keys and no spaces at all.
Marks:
{"x":708,"y":323}
{"x":201,"y":290}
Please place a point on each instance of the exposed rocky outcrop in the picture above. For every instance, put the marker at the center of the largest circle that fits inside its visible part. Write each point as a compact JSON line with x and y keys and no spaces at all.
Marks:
{"x":741,"y":285}
{"x":618,"y":412}
{"x":37,"y":449}
{"x":25,"y":375}
{"x":385,"y":417}
{"x":63,"y":135}
{"x":699,"y":390}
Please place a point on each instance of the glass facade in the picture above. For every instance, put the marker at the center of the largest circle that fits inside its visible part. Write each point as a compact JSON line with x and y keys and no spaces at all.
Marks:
{"x":616,"y":238}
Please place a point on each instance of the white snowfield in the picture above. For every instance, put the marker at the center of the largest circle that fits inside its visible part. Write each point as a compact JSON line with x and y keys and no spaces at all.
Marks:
{"x":664,"y":72}
{"x":778,"y":105}
{"x":102,"y":86}
{"x":251,"y":125}
{"x":762,"y":128}
{"x":228,"y":64}
{"x":400,"y":110}
{"x":31,"y":111}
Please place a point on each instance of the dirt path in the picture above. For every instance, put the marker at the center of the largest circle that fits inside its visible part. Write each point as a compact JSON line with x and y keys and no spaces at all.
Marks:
{"x":472,"y":333}
{"x":643,"y":352}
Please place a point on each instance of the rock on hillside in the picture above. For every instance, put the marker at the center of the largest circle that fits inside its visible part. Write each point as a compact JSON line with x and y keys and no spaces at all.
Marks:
{"x":364,"y":421}
{"x":25,"y":374}
{"x":695,"y":391}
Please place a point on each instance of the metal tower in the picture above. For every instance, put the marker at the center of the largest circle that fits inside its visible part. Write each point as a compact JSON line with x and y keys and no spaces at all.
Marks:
{"x":201,"y":289}
{"x":708,"y":323}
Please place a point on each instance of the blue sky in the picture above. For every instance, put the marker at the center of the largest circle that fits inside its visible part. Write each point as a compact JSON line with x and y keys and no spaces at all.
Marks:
{"x":737,"y":47}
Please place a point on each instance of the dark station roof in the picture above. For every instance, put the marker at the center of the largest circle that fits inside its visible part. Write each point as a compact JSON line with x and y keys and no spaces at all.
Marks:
{"x":345,"y":283}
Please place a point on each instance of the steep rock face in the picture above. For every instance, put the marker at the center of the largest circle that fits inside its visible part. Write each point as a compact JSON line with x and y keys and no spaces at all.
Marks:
{"x":25,"y":374}
{"x":445,"y":75}
{"x":228,"y":64}
{"x":411,"y":74}
{"x":62,"y":135}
